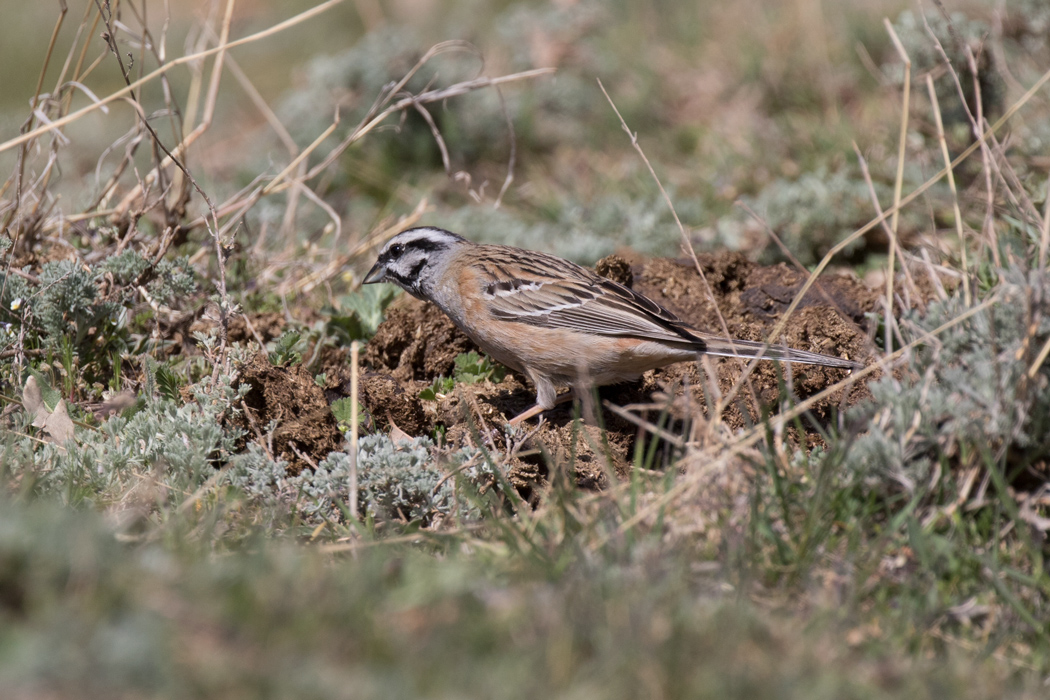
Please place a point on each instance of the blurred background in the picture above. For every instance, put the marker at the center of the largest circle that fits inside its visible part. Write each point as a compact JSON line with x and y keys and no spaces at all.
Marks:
{"x":753,"y":103}
{"x":772,"y":125}
{"x":749,"y":112}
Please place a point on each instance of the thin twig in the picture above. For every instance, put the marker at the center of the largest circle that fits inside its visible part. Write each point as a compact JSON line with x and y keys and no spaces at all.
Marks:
{"x":899,"y":180}
{"x":336,"y":266}
{"x":791,"y":257}
{"x":951,"y":185}
{"x":161,"y":70}
{"x":512,"y":158}
{"x":354,"y":372}
{"x":643,"y":424}
{"x":878,"y":209}
{"x":687,"y":247}
{"x":426,"y":97}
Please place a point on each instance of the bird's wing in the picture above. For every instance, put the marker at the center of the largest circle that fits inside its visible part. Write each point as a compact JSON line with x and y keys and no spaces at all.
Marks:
{"x":549,"y":292}
{"x":554,"y":293}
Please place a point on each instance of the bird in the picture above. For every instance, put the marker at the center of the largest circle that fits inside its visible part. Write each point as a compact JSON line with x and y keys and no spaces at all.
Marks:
{"x":551,"y":320}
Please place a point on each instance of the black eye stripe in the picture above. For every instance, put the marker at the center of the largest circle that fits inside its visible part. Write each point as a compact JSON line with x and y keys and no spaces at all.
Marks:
{"x":425,"y":245}
{"x":416,"y":269}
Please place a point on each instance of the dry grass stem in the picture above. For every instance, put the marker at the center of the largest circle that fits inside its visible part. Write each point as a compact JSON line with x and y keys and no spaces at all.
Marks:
{"x":512,"y":157}
{"x":161,"y":70}
{"x":795,"y":261}
{"x":1044,"y":236}
{"x":899,"y":180}
{"x":337,"y":264}
{"x":951,"y":185}
{"x":906,"y":200}
{"x":977,"y":124}
{"x":622,"y":412}
{"x":687,"y":246}
{"x":355,"y":349}
{"x":863,"y":162}
{"x":426,"y":97}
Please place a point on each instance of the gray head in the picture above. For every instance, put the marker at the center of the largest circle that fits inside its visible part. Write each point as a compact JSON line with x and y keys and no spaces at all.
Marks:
{"x":410,"y":259}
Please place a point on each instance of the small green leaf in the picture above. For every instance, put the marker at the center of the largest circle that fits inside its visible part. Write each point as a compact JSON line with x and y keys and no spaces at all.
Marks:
{"x":286,"y":350}
{"x":168,"y":383}
{"x":362,"y":312}
{"x":441,"y":386}
{"x":342,"y":409}
{"x":472,"y":368}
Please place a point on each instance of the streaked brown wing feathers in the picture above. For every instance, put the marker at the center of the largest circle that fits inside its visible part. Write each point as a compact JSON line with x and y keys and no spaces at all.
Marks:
{"x":577,"y":299}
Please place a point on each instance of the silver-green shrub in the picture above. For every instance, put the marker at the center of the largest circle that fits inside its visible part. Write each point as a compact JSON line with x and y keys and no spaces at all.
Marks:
{"x":179,"y":446}
{"x":404,"y":481}
{"x":965,"y":391}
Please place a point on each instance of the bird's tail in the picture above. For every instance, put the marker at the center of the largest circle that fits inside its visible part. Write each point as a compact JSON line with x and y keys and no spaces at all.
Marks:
{"x":723,"y":347}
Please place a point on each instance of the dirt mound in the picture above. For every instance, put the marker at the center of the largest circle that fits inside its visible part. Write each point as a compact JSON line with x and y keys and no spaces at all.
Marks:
{"x":391,"y":404}
{"x":750,"y":297}
{"x":306,"y":430}
{"x":417,"y":343}
{"x":261,"y":328}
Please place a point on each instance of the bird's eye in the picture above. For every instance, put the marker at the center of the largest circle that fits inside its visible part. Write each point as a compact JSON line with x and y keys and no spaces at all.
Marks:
{"x":397,"y":249}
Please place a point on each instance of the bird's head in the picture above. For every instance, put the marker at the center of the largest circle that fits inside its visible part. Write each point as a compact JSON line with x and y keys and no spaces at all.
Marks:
{"x":411,"y":258}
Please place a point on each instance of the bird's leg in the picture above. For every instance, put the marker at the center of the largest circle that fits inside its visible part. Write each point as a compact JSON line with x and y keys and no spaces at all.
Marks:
{"x":538,"y":409}
{"x":524,"y":416}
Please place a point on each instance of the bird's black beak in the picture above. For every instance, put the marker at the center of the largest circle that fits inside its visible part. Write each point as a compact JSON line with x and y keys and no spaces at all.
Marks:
{"x":376,"y":274}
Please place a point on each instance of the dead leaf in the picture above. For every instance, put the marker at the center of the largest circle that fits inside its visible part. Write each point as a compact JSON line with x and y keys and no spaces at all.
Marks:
{"x":59,"y":425}
{"x":56,"y":423}
{"x":397,"y":434}
{"x":33,"y":401}
{"x":32,"y":398}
